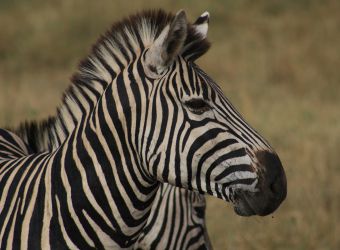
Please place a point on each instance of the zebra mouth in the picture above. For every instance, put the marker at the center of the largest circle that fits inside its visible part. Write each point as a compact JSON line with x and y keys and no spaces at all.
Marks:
{"x":242,"y":206}
{"x":248,"y":203}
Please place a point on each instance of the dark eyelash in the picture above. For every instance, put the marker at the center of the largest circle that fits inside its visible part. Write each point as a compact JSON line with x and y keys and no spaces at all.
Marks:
{"x":200,"y":212}
{"x":197,"y":105}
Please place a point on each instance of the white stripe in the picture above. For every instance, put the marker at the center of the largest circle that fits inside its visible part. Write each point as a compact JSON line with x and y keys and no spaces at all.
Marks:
{"x":28,"y":215}
{"x":11,"y":232}
{"x":68,"y":241}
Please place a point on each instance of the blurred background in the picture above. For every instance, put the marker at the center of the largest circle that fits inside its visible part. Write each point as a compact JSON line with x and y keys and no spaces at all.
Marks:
{"x":278,"y":62}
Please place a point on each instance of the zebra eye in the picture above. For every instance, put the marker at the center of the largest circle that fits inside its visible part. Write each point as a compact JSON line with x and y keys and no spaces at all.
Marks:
{"x":200,"y":212}
{"x":197,"y":106}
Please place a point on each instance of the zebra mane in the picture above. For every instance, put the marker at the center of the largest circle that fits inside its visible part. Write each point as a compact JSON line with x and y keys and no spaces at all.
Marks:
{"x":109,"y":55}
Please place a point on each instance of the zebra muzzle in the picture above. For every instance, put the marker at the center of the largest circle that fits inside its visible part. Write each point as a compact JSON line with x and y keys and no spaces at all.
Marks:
{"x":271,"y":188}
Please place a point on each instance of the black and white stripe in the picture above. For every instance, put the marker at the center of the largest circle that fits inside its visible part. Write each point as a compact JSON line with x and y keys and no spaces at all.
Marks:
{"x":139,"y":112}
{"x":176,"y":221}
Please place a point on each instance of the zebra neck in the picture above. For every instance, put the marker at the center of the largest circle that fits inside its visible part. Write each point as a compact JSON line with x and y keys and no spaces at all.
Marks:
{"x":80,"y":100}
{"x":110,"y":175}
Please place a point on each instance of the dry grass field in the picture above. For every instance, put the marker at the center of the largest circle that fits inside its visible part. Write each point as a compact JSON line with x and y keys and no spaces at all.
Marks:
{"x":277,"y":61}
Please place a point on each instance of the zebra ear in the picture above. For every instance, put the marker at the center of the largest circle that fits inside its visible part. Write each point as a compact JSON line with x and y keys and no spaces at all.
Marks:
{"x":167,"y":46}
{"x":201,"y":25}
{"x":197,"y":45}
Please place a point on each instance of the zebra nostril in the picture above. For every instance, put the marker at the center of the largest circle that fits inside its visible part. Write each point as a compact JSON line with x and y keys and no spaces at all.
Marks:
{"x":274,"y":177}
{"x":275,"y":186}
{"x":279,"y":187}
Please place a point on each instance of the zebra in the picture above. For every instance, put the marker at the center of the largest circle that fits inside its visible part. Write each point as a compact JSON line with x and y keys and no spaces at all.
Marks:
{"x":139,"y":112}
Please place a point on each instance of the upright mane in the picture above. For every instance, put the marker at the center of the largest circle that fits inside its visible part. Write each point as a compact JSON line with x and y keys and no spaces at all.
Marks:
{"x":113,"y":51}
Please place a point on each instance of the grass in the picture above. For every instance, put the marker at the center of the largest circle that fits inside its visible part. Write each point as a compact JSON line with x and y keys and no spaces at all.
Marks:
{"x":278,"y":62}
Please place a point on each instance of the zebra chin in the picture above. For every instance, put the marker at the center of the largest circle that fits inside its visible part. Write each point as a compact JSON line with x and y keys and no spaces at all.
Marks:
{"x":271,"y":188}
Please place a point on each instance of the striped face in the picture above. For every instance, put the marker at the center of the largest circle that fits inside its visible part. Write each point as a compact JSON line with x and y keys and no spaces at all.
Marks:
{"x":199,"y":141}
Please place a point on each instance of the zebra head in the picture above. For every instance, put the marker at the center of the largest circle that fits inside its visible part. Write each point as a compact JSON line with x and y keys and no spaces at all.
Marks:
{"x":194,"y":137}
